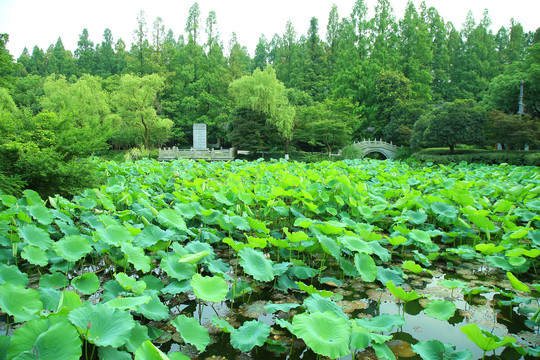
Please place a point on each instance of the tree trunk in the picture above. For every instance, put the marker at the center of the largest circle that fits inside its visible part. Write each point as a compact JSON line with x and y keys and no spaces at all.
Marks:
{"x":452,"y":149}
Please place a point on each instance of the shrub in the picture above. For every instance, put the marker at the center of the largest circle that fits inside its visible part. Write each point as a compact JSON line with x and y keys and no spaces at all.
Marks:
{"x":351,"y":152}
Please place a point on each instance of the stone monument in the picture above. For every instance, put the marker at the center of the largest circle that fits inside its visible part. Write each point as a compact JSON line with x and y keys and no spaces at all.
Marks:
{"x":199,"y":137}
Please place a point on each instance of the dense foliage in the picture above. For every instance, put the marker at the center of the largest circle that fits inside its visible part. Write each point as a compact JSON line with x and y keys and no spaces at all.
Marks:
{"x":221,"y":255}
{"x":387,"y":72}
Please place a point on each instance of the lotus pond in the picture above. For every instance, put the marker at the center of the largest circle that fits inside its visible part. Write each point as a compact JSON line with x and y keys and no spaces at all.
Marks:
{"x":257,"y":260}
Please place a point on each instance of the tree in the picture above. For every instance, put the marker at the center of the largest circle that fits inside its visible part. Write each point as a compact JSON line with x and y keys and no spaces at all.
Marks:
{"x":7,"y":66}
{"x":458,"y":122}
{"x":106,"y":64}
{"x":511,"y":131}
{"x":136,"y":101}
{"x":193,"y":23}
{"x":260,"y":60}
{"x":86,"y":54}
{"x":141,"y":50}
{"x":264,"y":94}
{"x":60,"y":60}
{"x":6,"y":102}
{"x":27,"y":91}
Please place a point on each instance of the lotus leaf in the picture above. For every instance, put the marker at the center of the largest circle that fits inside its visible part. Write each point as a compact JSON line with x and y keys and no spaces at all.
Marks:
{"x":171,"y":219}
{"x":154,"y":309}
{"x":256,"y":265}
{"x":382,"y":323}
{"x":402,"y":294}
{"x":136,"y":256}
{"x":108,"y":352}
{"x":103,"y":325}
{"x":192,"y":332}
{"x":385,"y":275}
{"x":354,"y":243}
{"x":69,"y":300}
{"x":21,"y":303}
{"x":174,"y":268}
{"x":148,"y":351}
{"x":222,"y":324}
{"x":209,"y":288}
{"x":516,"y":284}
{"x":436,"y":350}
{"x":34,"y":255}
{"x":302,"y":272}
{"x":41,"y":214}
{"x":49,"y":297}
{"x":139,"y":334}
{"x":12,"y":274}
{"x":130,"y":284}
{"x":440,"y":309}
{"x":50,"y":338}
{"x":412,"y":266}
{"x":453,"y":284}
{"x":324,"y":332}
{"x":194,"y":258}
{"x":176,"y":287}
{"x":131,"y":303}
{"x":316,"y":303}
{"x":115,"y":235}
{"x":36,"y":236}
{"x":366,"y":267}
{"x":87,"y":283}
{"x":285,"y":307}
{"x":383,"y":352}
{"x":250,"y":334}
{"x":483,"y":339}
{"x":72,"y":248}
{"x":150,"y":236}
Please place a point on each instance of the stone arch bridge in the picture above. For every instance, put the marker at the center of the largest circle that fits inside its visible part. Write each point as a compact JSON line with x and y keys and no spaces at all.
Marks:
{"x":377,"y":146}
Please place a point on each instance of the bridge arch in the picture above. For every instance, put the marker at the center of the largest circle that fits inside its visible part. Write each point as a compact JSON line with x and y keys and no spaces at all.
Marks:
{"x":377,"y":146}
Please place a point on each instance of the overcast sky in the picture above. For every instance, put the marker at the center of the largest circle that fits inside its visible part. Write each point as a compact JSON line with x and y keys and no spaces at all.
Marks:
{"x":41,"y":22}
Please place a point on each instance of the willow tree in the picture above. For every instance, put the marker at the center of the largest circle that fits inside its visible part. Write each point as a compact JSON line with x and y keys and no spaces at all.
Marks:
{"x":265,"y":95}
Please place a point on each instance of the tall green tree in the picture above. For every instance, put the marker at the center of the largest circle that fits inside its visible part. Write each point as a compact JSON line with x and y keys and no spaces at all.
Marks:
{"x":60,"y":60}
{"x":106,"y":64}
{"x":260,"y":60}
{"x":140,"y":61}
{"x":7,"y":66}
{"x":264,"y":94}
{"x":137,"y":100}
{"x":384,"y":36}
{"x":85,"y":54}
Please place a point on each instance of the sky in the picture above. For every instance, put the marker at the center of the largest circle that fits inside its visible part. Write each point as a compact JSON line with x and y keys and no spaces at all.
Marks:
{"x":39,"y":22}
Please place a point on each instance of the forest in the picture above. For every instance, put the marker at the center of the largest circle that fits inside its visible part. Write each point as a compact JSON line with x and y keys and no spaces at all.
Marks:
{"x":417,"y":81}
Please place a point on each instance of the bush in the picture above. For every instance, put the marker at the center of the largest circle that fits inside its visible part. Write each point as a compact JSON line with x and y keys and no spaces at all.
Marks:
{"x":518,"y":158}
{"x":351,"y":152}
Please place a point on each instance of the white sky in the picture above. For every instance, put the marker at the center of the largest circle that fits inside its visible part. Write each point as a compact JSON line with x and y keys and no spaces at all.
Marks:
{"x":41,"y":22}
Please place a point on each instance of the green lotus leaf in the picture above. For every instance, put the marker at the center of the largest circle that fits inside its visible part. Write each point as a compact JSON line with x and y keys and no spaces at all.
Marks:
{"x":354,"y":243}
{"x":415,"y":217}
{"x":222,"y":324}
{"x":445,"y":213}
{"x":453,"y":284}
{"x":115,"y":235}
{"x":385,"y":275}
{"x":420,"y":236}
{"x":381,"y":323}
{"x":325,"y":333}
{"x":256,"y":265}
{"x":35,"y":236}
{"x":310,"y":289}
{"x":108,"y":352}
{"x":150,"y":236}
{"x":148,"y":351}
{"x":171,"y":219}
{"x":50,"y":298}
{"x":412,"y":266}
{"x":296,"y":236}
{"x":174,"y":268}
{"x":136,"y":256}
{"x":240,"y":223}
{"x":87,"y":283}
{"x":176,"y":287}
{"x":366,"y":267}
{"x":329,"y":246}
{"x":483,"y":339}
{"x":317,"y":303}
{"x":154,"y":309}
{"x":130,"y":284}
{"x":397,"y":240}
{"x":489,"y":248}
{"x":516,"y":284}
{"x":51,"y":338}
{"x":440,"y":309}
{"x":23,"y":304}
{"x":402,"y":294}
{"x":187,"y":210}
{"x":194,"y":258}
{"x":103,"y":325}
{"x":192,"y":332}
{"x":360,"y":338}
{"x":12,"y":274}
{"x":139,"y":334}
{"x":436,"y":350}
{"x":69,"y":300}
{"x":500,"y":262}
{"x":250,"y":334}
{"x":285,"y":307}
{"x":383,"y":352}
{"x":72,"y":248}
{"x":209,"y":288}
{"x":517,"y":261}
{"x":178,"y":356}
{"x":41,"y":214}
{"x":302,"y":272}
{"x":481,"y":222}
{"x":35,"y":255}
{"x":131,"y":303}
